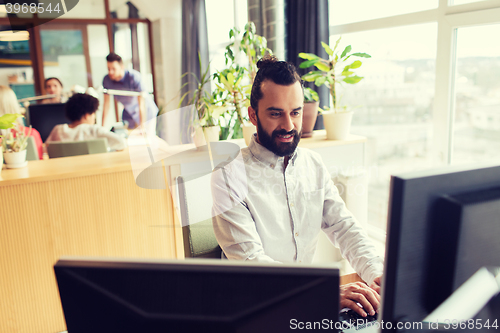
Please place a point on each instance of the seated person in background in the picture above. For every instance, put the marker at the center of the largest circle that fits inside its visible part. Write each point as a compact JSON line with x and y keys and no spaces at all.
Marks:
{"x":9,"y":104}
{"x":53,"y":86}
{"x":80,"y":110}
{"x":271,"y":203}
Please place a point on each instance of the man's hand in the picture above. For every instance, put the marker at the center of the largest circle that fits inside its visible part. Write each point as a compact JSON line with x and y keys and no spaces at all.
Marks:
{"x":358,"y":292}
{"x":376,"y":284}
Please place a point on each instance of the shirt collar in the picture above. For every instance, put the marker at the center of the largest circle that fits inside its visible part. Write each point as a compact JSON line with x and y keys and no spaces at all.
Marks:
{"x":266,"y":156}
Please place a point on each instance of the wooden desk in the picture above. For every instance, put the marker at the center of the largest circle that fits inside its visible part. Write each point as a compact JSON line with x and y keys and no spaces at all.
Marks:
{"x":82,"y":206}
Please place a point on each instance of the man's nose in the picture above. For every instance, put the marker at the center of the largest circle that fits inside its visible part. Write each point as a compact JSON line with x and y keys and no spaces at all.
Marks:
{"x":287,"y":123}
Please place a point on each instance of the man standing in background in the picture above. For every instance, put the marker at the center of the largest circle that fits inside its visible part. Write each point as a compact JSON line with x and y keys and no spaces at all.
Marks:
{"x":136,"y":109}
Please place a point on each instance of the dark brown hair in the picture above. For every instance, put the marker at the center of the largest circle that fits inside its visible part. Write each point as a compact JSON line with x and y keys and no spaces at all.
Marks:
{"x":279,"y":72}
{"x":52,"y":78}
{"x":114,"y":57}
{"x":79,"y":105}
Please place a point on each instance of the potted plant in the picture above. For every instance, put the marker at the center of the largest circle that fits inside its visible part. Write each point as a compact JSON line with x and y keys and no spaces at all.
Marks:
{"x":332,"y":71}
{"x":254,"y":47}
{"x":13,"y":146}
{"x":311,"y":106}
{"x":204,"y":126}
{"x":231,"y":94}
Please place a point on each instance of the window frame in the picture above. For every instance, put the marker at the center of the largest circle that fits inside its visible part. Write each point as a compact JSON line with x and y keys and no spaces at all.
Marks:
{"x":449,"y":18}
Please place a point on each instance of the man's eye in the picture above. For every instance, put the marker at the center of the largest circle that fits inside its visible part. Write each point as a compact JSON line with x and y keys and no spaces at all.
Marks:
{"x":275,"y":114}
{"x":295,"y":113}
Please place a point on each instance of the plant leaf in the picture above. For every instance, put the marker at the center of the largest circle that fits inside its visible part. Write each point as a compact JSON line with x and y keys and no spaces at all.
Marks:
{"x":310,"y":77}
{"x":321,"y":66}
{"x":320,"y":81}
{"x":308,"y":63}
{"x":337,"y":44}
{"x":353,"y":79}
{"x":308,"y":56}
{"x":327,"y":48}
{"x":362,"y":55}
{"x":8,"y":120}
{"x":230,"y":78}
{"x":346,"y":50}
{"x":355,"y":64}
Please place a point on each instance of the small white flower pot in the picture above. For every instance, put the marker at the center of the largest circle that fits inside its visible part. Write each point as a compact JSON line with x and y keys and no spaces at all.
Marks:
{"x":198,"y":137}
{"x":337,"y":124}
{"x":203,"y":135}
{"x":211,"y":133}
{"x":248,"y":130}
{"x":16,"y":159}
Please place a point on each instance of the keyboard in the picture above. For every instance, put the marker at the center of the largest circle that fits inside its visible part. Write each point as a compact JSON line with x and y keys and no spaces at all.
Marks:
{"x":352,"y":322}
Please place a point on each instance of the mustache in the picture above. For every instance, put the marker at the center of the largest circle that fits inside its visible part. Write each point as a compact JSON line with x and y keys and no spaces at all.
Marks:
{"x":284,"y":132}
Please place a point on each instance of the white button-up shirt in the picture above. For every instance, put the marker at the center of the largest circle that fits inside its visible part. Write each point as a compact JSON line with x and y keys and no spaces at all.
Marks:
{"x":264,"y":211}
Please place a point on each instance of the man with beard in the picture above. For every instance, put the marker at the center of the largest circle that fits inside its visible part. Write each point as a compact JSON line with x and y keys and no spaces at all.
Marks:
{"x":271,"y":202}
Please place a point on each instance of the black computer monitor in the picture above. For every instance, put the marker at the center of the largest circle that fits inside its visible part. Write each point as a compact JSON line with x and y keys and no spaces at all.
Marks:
{"x":43,"y":117}
{"x":103,"y":295}
{"x":443,"y":226}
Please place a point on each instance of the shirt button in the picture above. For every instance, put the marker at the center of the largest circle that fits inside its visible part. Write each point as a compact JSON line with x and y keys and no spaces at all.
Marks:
{"x":296,"y":234}
{"x":291,"y":205}
{"x":272,"y":165}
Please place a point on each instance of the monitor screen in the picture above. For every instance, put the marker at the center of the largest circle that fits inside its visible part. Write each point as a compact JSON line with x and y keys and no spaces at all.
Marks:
{"x":443,"y":226}
{"x":203,"y":295}
{"x":43,"y":117}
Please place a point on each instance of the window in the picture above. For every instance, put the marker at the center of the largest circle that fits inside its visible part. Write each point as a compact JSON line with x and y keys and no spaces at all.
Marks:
{"x":476,"y":129}
{"x":405,"y":107}
{"x":235,"y":14}
{"x":343,"y":12}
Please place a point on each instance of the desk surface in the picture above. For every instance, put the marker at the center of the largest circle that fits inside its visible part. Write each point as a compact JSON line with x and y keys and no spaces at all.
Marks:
{"x":86,"y":165}
{"x":67,"y":167}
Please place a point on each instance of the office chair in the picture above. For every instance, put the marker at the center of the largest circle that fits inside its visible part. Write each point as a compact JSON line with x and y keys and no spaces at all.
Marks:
{"x":31,"y":151}
{"x":195,"y":201}
{"x":73,"y":148}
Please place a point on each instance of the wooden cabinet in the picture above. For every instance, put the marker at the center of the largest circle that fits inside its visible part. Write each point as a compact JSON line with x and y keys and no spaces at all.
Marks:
{"x":73,"y":206}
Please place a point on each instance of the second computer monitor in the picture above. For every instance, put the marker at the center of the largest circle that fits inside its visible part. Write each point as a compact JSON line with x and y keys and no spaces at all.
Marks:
{"x":43,"y":117}
{"x":443,"y":226}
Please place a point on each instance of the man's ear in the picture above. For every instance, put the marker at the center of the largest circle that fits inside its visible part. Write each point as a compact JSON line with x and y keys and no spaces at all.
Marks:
{"x":252,"y":115}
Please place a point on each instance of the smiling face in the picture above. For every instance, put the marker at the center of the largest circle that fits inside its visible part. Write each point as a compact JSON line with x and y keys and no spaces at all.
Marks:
{"x":116,"y":70}
{"x":279,"y":117}
{"x":53,"y":87}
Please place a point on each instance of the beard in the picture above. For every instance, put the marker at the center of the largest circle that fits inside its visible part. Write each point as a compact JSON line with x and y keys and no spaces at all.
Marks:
{"x":279,"y":148}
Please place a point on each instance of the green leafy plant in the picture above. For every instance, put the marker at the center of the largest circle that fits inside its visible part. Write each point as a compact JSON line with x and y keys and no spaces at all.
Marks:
{"x":252,"y":45}
{"x":17,"y":142}
{"x":232,"y":95}
{"x":9,"y":120}
{"x":8,"y":141}
{"x":201,"y":99}
{"x":310,"y":95}
{"x":333,"y":70}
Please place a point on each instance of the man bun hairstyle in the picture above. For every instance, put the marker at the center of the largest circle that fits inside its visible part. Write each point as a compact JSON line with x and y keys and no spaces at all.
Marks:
{"x":270,"y":68}
{"x":114,"y":57}
{"x":79,"y":105}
